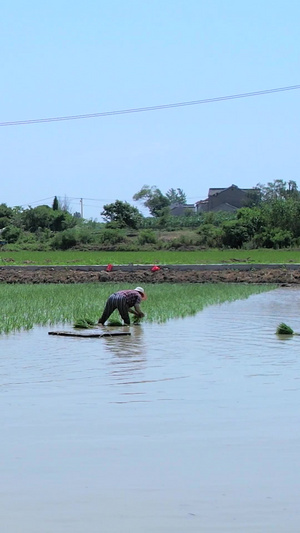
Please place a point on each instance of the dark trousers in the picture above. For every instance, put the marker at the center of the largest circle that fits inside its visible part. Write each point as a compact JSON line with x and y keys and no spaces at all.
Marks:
{"x":115,"y":301}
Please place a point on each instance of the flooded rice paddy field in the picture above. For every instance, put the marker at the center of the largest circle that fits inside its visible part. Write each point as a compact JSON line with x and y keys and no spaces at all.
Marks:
{"x":187,"y":426}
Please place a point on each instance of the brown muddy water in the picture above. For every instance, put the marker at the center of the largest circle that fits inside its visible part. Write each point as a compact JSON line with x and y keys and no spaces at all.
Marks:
{"x":188,"y":426}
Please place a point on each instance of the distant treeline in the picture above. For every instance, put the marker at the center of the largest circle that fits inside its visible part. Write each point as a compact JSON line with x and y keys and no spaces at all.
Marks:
{"x":272,"y":220}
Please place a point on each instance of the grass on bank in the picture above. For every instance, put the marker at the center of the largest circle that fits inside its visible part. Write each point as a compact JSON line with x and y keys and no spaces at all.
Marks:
{"x":209,"y":256}
{"x":24,"y":306}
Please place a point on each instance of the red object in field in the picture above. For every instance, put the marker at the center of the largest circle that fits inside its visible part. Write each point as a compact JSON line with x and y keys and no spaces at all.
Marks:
{"x":155,"y":268}
{"x":109,"y":268}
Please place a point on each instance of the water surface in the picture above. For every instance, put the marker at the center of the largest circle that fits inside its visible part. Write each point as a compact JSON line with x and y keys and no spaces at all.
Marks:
{"x":187,"y":426}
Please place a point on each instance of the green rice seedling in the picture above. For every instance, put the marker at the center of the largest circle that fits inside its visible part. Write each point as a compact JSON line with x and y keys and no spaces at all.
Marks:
{"x":162,"y":257}
{"x":114,"y":322}
{"x":90,"y":321}
{"x":84,"y":323}
{"x":24,"y":305}
{"x":283,"y":329}
{"x":168,"y":301}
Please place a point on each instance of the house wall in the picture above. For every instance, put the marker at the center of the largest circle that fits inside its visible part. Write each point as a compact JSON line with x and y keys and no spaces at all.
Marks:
{"x":180,"y":210}
{"x":201,"y":207}
{"x":228,"y":199}
{"x":232,"y":196}
{"x":225,"y":207}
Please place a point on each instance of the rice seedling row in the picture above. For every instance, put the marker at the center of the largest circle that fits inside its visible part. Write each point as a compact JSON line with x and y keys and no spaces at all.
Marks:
{"x":24,"y":306}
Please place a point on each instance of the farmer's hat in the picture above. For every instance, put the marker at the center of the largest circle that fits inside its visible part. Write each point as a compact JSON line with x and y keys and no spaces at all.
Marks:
{"x":142,"y":292}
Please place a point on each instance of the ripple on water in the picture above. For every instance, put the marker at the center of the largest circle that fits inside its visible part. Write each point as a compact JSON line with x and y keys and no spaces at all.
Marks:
{"x":195,"y":417}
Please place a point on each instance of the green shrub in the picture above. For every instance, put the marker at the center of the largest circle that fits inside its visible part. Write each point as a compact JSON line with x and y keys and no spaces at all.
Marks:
{"x":11,"y":234}
{"x":183,"y":241}
{"x":275,"y":238}
{"x":4,"y":222}
{"x":234,"y":234}
{"x":65,"y":239}
{"x":85,"y":235}
{"x":26,"y":237}
{"x":61,"y":220}
{"x":282,"y":239}
{"x":209,"y":235}
{"x":111,"y":236}
{"x":147,"y":237}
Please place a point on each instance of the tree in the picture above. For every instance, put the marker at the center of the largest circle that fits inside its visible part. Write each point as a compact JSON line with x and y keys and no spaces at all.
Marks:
{"x":234,"y":234}
{"x":278,"y":190}
{"x":64,"y":205}
{"x":176,"y":196}
{"x":153,"y":199}
{"x":6,"y":214}
{"x":11,"y":234}
{"x":251,"y":218}
{"x":5,"y":211}
{"x":292,"y":191}
{"x":62,"y":220}
{"x":37,"y":217}
{"x":55,"y":205}
{"x":253,"y":198}
{"x":122,"y":214}
{"x":17,"y":216}
{"x":43,"y":217}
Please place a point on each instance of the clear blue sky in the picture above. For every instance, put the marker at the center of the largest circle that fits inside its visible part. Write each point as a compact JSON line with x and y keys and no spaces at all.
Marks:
{"x":63,"y":58}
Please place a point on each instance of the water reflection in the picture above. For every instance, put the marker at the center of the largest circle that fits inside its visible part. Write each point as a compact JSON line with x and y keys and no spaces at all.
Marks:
{"x":128,"y":355}
{"x":127,"y":363}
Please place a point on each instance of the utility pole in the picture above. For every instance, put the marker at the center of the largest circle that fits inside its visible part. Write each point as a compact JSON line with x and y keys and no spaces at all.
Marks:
{"x":81,"y":207}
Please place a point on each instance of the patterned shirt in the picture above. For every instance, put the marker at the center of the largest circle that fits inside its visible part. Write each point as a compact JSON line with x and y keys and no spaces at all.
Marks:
{"x":132,"y":297}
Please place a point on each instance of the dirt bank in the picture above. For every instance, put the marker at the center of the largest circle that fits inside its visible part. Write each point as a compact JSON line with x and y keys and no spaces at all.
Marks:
{"x":139,"y":277}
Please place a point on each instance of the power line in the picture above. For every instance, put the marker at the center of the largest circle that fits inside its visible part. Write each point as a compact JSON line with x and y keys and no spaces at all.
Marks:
{"x":92,"y":199}
{"x":150,"y":108}
{"x":37,"y":201}
{"x":71,"y":200}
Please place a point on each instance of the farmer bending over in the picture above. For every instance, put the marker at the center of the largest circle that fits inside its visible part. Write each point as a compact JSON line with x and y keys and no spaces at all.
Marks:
{"x":127,"y":301}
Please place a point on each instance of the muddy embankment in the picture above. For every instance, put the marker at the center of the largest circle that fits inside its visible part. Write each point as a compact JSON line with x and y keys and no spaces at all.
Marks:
{"x":136,"y":275}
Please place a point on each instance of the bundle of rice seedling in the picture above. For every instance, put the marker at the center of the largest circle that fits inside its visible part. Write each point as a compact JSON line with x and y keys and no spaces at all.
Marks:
{"x":283,"y":329}
{"x":114,"y":322}
{"x":84,"y":323}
